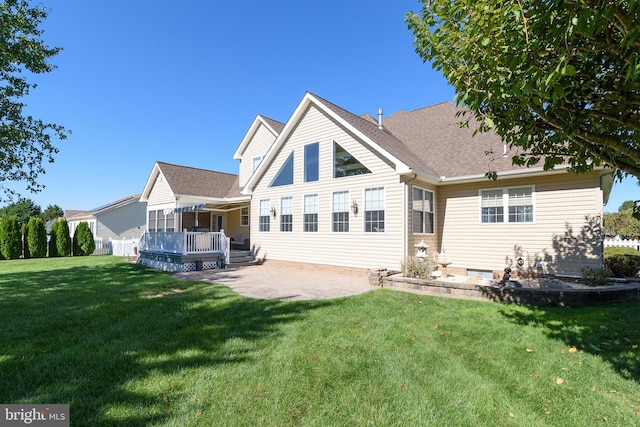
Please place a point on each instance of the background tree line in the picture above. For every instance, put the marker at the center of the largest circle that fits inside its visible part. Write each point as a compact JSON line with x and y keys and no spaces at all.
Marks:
{"x":28,"y":232}
{"x":622,"y":223}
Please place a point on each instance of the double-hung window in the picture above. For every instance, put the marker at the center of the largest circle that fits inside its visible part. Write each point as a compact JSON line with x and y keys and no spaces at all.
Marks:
{"x":422,"y":211}
{"x":310,"y":215}
{"x":521,"y":204}
{"x":374,"y":210}
{"x":264,"y":220}
{"x":244,"y":216}
{"x":517,"y":202}
{"x":255,"y":162}
{"x":340,"y":212}
{"x":492,"y":206}
{"x":286,"y":213}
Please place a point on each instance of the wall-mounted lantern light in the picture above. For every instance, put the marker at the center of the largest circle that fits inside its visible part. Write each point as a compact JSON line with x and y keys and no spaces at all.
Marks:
{"x":273,"y":212}
{"x":354,"y":207}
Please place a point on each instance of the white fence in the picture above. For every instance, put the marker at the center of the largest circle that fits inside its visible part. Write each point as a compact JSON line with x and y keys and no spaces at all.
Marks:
{"x":121,"y":247}
{"x":124,"y":247}
{"x":627,"y":243}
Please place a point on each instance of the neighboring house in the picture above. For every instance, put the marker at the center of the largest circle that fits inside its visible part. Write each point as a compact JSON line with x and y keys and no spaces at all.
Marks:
{"x":122,"y":219}
{"x":336,"y":189}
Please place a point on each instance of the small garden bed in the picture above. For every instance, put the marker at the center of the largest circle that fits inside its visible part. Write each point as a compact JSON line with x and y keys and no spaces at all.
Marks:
{"x":538,"y":292}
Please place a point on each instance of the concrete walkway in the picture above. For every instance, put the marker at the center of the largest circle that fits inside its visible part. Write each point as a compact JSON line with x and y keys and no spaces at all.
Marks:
{"x":279,"y":283}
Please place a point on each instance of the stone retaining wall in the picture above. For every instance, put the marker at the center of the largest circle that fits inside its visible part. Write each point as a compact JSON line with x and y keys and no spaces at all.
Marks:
{"x":526,"y":296}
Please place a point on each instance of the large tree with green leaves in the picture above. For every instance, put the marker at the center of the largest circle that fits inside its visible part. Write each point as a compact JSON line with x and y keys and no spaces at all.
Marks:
{"x":52,"y":212}
{"x":25,"y":141}
{"x":557,"y":80}
{"x":23,"y":209}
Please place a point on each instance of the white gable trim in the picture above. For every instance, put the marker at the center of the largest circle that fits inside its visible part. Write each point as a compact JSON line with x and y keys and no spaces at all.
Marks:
{"x":155,"y":172}
{"x":307,"y":100}
{"x":257,"y":122}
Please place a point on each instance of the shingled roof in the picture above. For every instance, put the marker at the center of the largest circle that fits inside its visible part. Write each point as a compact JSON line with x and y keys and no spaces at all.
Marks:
{"x":275,"y":125}
{"x":104,"y":208}
{"x":434,"y":136}
{"x":185,"y":180}
{"x":430,"y":140}
{"x":382,"y":137}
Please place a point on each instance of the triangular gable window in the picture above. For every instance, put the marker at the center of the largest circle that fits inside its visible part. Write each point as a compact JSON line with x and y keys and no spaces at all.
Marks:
{"x":285,"y":174}
{"x":344,"y":164}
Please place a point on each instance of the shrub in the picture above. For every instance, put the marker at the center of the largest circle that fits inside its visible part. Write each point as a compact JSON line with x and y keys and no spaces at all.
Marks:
{"x":63,"y":239}
{"x":53,"y":240}
{"x":35,"y":238}
{"x":417,"y":268}
{"x":623,"y":265}
{"x":83,"y":243}
{"x":25,"y":238}
{"x":10,"y":237}
{"x":595,"y":276}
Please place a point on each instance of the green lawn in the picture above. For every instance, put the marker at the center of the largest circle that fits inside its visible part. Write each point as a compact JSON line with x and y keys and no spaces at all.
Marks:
{"x":125,"y":345}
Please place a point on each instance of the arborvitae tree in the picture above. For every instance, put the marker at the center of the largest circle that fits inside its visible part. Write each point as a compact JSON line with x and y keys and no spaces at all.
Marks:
{"x":63,"y":239}
{"x":25,"y":235}
{"x":10,"y":237}
{"x":35,"y":239}
{"x":83,"y":243}
{"x":53,"y":240}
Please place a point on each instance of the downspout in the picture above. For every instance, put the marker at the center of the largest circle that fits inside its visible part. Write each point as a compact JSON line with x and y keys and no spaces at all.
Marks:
{"x":405,"y":222}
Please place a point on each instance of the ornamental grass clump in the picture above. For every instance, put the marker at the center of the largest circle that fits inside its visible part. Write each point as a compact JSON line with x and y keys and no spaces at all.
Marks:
{"x":417,"y":268}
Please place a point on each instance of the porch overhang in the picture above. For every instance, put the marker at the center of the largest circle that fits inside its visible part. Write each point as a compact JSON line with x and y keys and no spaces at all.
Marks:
{"x":200,"y":204}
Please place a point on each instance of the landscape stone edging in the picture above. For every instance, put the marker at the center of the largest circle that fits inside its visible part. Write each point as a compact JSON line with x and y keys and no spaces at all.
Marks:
{"x":524,"y":296}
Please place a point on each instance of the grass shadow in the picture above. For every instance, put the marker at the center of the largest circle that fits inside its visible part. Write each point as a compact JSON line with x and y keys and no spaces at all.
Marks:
{"x":81,"y":332}
{"x":611,"y":333}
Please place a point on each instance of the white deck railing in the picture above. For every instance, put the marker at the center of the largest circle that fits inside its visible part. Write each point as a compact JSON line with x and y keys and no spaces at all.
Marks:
{"x":185,"y":242}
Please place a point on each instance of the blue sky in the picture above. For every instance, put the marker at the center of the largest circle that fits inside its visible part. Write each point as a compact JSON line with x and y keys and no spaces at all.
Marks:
{"x":181,"y":82}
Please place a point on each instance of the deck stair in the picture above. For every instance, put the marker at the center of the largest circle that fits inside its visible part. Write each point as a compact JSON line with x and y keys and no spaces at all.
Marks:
{"x":239,"y":258}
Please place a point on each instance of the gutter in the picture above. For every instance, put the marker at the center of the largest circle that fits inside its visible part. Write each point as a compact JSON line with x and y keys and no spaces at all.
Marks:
{"x":505,"y":174}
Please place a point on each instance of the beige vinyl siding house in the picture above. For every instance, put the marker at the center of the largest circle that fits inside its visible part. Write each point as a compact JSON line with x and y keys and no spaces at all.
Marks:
{"x":255,"y":144}
{"x":329,"y":247}
{"x":563,"y":237}
{"x":332,"y":189}
{"x":432,"y":173}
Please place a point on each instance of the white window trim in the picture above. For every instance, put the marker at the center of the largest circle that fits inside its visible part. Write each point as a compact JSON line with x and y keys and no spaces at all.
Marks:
{"x":505,"y":204}
{"x":433,"y":211}
{"x":255,"y":162}
{"x":248,"y":217}
{"x":363,"y":209}
{"x":260,"y":214}
{"x":317,"y":212}
{"x":281,"y":213}
{"x":348,"y":211}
